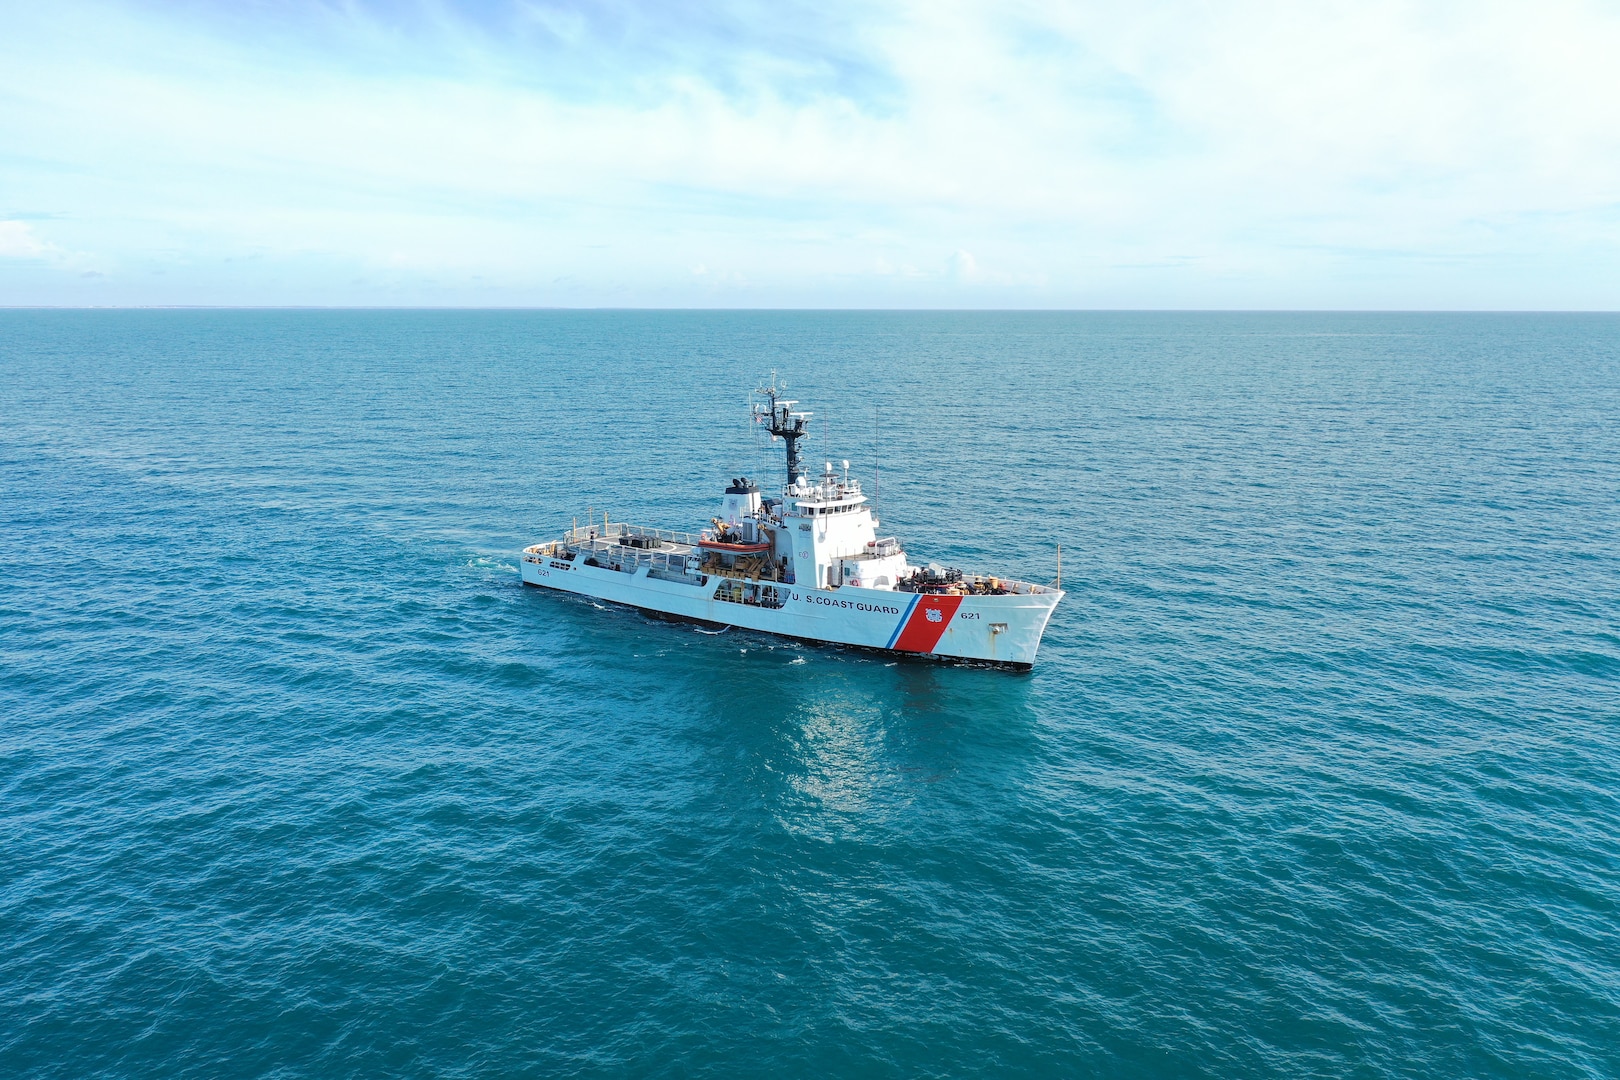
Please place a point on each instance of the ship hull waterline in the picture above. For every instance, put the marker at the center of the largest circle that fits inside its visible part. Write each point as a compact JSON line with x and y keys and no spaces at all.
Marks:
{"x":1001,"y":631}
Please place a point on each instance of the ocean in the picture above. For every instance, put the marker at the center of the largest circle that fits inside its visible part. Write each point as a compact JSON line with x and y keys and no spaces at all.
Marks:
{"x":1317,"y":773}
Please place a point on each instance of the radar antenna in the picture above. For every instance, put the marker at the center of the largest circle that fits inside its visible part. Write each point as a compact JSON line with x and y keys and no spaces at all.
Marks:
{"x":783,"y":422}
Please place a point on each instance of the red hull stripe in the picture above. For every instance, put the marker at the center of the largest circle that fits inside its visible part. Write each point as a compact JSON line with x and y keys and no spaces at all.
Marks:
{"x":901,"y":625}
{"x":922,"y":633}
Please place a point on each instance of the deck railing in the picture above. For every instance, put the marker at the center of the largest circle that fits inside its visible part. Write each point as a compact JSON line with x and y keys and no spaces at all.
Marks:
{"x":614,"y":530}
{"x":602,"y":543}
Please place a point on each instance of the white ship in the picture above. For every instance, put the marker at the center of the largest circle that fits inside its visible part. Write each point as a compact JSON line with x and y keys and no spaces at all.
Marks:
{"x":808,"y":563}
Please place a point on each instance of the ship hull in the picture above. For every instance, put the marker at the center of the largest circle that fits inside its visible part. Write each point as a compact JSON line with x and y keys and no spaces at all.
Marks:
{"x":1000,"y":630}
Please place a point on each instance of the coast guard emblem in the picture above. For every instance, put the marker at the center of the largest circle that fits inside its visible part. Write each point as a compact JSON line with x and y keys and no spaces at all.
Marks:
{"x":933,"y":615}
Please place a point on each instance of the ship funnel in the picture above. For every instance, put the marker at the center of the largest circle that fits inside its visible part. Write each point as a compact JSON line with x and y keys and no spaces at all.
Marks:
{"x":741,"y":502}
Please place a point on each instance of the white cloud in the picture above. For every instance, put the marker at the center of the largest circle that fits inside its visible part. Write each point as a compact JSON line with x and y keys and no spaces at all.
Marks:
{"x":17,"y":241}
{"x":962,"y":266}
{"x":1370,"y":154}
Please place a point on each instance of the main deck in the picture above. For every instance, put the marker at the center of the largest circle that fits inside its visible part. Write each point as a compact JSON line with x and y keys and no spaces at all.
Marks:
{"x":679,"y":556}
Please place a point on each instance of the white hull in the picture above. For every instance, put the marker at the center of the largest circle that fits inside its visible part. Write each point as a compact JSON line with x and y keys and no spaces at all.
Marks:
{"x":991,"y":629}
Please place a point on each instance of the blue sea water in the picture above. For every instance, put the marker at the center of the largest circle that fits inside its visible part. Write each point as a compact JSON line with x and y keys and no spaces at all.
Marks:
{"x":1318,"y":772}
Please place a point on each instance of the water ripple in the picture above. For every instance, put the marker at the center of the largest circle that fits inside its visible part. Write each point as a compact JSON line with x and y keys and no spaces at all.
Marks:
{"x":1319,"y":773}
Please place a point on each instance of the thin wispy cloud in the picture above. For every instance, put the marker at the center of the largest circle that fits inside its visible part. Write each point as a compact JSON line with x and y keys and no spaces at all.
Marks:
{"x":974,"y":154}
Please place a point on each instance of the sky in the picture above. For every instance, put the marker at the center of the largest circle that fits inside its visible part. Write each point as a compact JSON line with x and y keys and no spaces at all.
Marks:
{"x":940,"y":154}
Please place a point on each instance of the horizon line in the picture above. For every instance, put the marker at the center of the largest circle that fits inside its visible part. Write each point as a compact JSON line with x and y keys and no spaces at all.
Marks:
{"x":814,"y":310}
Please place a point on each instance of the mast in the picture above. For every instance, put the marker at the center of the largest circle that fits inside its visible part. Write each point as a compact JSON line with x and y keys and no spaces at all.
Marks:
{"x":780,"y":419}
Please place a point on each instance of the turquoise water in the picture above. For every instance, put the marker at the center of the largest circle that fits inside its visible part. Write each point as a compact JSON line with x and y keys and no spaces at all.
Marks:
{"x":1318,"y":773}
